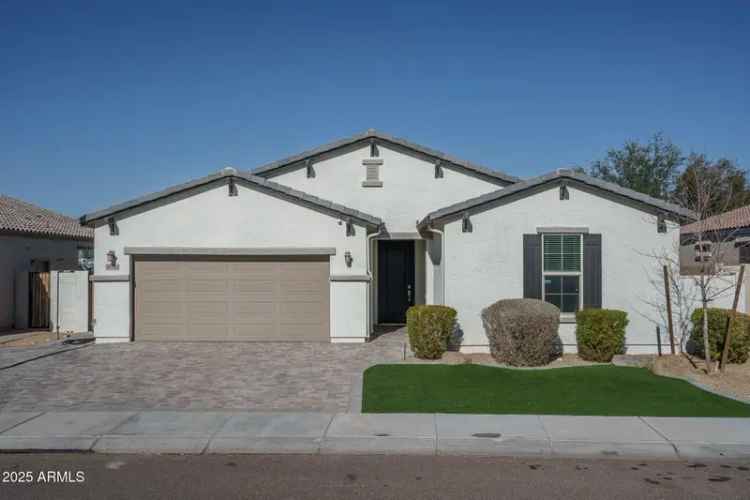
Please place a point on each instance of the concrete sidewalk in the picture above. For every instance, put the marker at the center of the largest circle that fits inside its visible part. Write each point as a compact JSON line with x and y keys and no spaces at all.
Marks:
{"x":345,"y":433}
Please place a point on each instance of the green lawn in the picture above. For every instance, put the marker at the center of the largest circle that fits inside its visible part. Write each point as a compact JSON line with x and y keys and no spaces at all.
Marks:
{"x":590,"y":390}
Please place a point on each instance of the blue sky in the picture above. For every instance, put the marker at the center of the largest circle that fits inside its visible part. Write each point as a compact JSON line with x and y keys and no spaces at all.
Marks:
{"x":102,"y":102}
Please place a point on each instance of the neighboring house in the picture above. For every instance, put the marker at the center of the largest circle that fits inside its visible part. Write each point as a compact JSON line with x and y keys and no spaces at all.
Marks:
{"x":725,"y":236}
{"x":34,"y":240}
{"x":328,"y":243}
{"x":723,"y":239}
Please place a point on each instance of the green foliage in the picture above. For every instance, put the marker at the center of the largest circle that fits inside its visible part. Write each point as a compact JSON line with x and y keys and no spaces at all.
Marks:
{"x":648,"y":168}
{"x":429,"y":329}
{"x":739,"y":346}
{"x":711,"y":187}
{"x":600,"y":333}
{"x":522,"y":332}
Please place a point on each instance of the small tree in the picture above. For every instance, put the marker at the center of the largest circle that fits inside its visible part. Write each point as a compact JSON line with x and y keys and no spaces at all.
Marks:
{"x":700,"y":193}
{"x":682,"y":293}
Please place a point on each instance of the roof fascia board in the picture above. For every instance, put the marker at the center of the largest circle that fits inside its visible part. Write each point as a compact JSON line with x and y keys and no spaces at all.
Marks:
{"x":254,"y":182}
{"x":543,"y":183}
{"x":327,"y":150}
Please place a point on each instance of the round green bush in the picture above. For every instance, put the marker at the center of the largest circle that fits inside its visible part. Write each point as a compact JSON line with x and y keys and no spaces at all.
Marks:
{"x":429,"y":328}
{"x":522,"y":332}
{"x":739,"y":346}
{"x":600,"y":333}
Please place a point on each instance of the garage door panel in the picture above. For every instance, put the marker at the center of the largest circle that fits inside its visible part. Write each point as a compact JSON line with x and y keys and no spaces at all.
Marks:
{"x":163,"y":313}
{"x":207,"y":313}
{"x":207,"y":285}
{"x":254,"y":312}
{"x":161,"y":332}
{"x":297,"y":312}
{"x":232,"y":299}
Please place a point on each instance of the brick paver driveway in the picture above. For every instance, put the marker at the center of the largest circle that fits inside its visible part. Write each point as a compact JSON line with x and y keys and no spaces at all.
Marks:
{"x":195,"y":376}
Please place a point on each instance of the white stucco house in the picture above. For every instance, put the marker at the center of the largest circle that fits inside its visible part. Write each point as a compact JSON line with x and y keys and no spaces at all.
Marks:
{"x":329,"y":243}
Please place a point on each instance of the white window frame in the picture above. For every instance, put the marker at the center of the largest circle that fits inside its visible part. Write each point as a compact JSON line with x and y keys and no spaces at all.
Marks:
{"x":564,"y":273}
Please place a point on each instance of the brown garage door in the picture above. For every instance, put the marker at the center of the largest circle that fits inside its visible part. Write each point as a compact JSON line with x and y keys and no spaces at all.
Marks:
{"x":261,"y":298}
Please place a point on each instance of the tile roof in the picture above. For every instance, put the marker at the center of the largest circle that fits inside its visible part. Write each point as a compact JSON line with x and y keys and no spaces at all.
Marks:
{"x":259,"y":182}
{"x":488,"y":173}
{"x":23,"y":218}
{"x":734,"y":219}
{"x":558,"y":175}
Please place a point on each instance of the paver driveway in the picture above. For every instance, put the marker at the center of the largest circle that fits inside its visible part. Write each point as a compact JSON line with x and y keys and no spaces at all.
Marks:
{"x":194,"y":376}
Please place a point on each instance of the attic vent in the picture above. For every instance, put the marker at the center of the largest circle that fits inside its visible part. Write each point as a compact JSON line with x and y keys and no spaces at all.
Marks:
{"x":232,"y":187}
{"x":372,"y":172}
{"x":350,"y":228}
{"x":466,"y":225}
{"x":438,"y":170}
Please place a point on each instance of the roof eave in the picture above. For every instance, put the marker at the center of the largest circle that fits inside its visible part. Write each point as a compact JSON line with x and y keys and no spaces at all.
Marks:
{"x":372,"y":134}
{"x":452,"y":211}
{"x":362,"y":218}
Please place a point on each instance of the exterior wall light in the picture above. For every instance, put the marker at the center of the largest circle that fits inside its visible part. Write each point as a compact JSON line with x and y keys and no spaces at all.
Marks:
{"x":111,"y":263}
{"x":348,"y":258}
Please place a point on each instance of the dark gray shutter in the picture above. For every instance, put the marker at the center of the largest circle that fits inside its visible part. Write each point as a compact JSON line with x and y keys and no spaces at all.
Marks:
{"x":592,"y":271}
{"x":532,"y":266}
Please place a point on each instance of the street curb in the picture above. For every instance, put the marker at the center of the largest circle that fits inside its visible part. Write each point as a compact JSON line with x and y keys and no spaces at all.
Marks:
{"x":196,"y":433}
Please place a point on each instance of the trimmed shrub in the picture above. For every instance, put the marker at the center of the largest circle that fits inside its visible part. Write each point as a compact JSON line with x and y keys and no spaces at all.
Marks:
{"x":429,"y":329}
{"x":600,"y":334}
{"x":522,"y":332}
{"x":739,"y":347}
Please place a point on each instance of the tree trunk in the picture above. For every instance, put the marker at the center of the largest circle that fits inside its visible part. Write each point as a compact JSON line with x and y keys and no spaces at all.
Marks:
{"x":706,"y":343}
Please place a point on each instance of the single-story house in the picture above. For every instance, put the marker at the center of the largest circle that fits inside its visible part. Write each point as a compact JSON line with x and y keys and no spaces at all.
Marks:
{"x":36,"y":241}
{"x":723,"y":239}
{"x":329,"y":243}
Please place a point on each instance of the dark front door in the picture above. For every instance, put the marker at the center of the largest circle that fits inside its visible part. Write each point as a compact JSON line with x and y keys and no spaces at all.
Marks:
{"x":395,"y":280}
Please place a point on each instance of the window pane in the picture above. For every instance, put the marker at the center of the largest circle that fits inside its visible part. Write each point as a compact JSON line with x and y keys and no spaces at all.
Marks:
{"x":571,"y":252}
{"x":569,"y":303}
{"x":571,"y":243}
{"x":552,"y":284}
{"x":552,"y":252}
{"x":570,"y":284}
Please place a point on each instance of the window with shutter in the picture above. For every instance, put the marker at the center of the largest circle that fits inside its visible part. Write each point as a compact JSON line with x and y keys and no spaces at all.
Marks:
{"x":562,"y":258}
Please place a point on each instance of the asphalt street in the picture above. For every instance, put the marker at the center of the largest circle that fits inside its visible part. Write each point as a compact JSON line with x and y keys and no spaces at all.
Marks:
{"x":68,"y":476}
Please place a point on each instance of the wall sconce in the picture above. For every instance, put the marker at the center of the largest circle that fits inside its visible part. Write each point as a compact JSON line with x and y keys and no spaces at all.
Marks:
{"x":348,"y":258}
{"x":111,"y":262}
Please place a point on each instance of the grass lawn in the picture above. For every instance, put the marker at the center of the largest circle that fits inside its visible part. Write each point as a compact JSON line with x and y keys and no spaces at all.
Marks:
{"x":589,"y":390}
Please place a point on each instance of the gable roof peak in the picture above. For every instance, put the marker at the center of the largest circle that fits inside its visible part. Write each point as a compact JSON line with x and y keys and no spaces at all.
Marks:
{"x":489,"y":174}
{"x":521,"y":188}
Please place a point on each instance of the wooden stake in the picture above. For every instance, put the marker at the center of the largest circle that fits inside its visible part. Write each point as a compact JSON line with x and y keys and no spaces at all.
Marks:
{"x":730,"y":319}
{"x":668,"y":296}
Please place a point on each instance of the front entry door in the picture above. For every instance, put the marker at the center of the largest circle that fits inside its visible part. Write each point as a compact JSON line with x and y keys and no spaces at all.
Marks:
{"x":395,"y":280}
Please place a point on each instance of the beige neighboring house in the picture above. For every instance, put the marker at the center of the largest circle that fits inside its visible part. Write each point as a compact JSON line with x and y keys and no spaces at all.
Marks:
{"x":33,"y":242}
{"x":725,"y":238}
